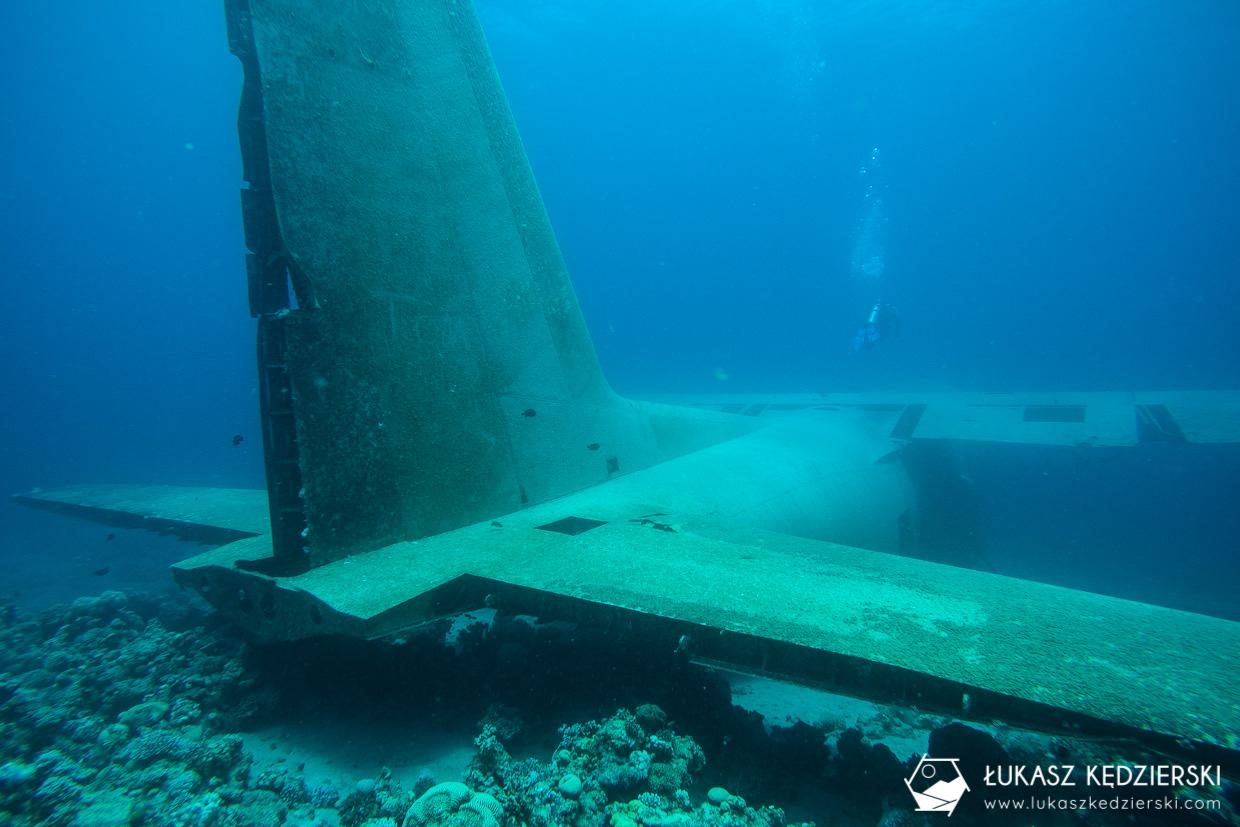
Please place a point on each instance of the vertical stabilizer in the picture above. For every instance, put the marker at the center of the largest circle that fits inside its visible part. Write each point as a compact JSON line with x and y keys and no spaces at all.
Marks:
{"x":436,"y":364}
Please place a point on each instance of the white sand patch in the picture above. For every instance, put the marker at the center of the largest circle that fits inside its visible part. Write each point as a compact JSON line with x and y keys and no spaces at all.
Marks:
{"x":345,"y":751}
{"x":905,"y":731}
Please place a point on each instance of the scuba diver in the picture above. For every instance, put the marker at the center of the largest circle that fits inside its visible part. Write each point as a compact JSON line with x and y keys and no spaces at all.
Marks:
{"x":883,"y":323}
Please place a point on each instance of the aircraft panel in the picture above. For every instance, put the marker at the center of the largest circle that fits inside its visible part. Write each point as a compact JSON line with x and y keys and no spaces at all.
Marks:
{"x":1108,"y":418}
{"x":1201,"y":416}
{"x":1117,"y":660}
{"x":207,"y":515}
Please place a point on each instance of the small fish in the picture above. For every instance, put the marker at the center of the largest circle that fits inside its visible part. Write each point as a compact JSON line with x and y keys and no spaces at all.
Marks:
{"x":528,"y":412}
{"x":237,"y":440}
{"x":593,"y":446}
{"x":101,"y":572}
{"x":496,"y":524}
{"x":110,"y":536}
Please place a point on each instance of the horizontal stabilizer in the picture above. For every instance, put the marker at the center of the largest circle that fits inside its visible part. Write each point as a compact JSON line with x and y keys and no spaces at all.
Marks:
{"x":774,"y":603}
{"x":211,"y":516}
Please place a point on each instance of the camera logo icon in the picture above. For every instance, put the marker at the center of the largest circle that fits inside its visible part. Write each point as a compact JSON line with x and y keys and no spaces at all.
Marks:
{"x":937,"y":784}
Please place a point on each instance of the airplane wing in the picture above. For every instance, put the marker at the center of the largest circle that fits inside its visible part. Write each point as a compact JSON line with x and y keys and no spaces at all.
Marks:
{"x":211,"y":516}
{"x":1037,"y":418}
{"x":755,"y":600}
{"x":776,"y":604}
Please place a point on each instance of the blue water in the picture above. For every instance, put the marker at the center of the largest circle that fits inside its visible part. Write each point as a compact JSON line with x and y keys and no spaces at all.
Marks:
{"x":1048,"y":192}
{"x":1058,"y":184}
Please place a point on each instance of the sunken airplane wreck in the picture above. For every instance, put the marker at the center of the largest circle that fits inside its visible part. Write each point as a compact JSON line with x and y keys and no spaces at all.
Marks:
{"x":438,"y":435}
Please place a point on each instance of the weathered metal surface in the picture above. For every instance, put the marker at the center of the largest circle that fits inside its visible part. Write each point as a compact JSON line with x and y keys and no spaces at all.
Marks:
{"x":440,"y":369}
{"x":1096,"y":418}
{"x":1129,"y":663}
{"x":678,"y":548}
{"x":212,"y":516}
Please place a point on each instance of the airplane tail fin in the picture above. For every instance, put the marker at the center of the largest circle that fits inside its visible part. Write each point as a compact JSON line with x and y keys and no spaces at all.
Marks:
{"x":432,"y":368}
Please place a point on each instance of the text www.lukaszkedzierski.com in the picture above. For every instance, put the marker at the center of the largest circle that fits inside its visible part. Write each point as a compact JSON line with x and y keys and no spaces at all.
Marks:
{"x":1090,"y":803}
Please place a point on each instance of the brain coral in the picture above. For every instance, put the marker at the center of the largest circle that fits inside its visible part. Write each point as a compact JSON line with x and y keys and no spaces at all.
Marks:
{"x":452,"y":804}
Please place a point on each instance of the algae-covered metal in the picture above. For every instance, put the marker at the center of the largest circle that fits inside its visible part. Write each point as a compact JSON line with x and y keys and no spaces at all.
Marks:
{"x":432,"y":307}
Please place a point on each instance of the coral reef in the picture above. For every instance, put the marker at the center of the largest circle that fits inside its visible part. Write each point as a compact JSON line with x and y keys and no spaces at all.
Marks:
{"x":126,"y":711}
{"x":378,"y":802}
{"x":116,"y":710}
{"x":452,"y":804}
{"x":505,"y":720}
{"x":628,"y":770}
